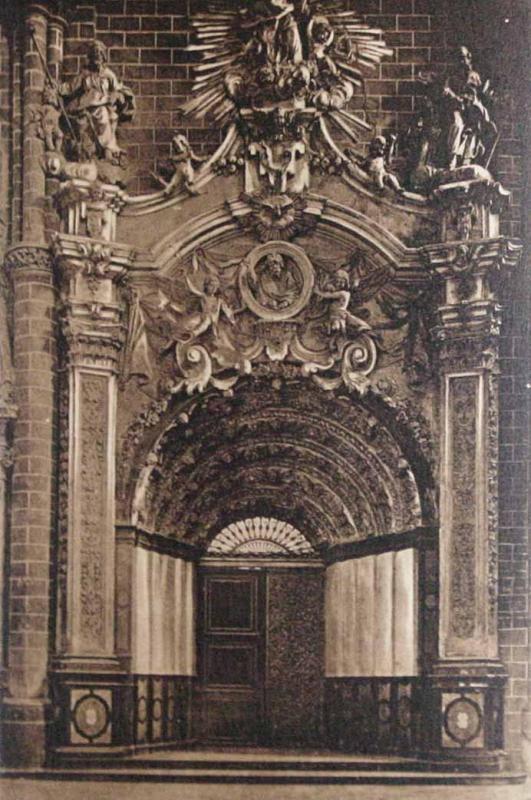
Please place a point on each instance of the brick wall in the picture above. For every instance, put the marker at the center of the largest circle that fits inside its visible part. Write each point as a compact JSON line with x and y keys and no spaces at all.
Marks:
{"x":10,"y":129}
{"x":32,"y":489}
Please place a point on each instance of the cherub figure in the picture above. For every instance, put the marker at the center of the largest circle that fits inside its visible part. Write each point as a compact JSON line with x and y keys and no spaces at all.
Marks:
{"x":337,"y":289}
{"x":49,"y":121}
{"x":321,"y":37}
{"x":376,"y":164}
{"x":183,"y":163}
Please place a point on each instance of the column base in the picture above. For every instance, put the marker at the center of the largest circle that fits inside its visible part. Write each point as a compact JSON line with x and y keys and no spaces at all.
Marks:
{"x":25,"y":727}
{"x":463,"y":714}
{"x":93,"y":701}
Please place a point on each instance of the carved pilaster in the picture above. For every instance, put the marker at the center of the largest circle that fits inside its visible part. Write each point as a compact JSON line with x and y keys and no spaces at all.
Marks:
{"x":91,"y":275}
{"x":468,"y":678}
{"x":87,"y":682}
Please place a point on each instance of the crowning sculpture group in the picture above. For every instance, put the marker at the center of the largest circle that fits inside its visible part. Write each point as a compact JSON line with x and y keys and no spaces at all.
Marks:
{"x":277,"y":77}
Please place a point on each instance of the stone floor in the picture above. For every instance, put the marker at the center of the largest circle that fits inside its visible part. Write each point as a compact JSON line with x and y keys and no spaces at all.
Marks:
{"x":22,"y":789}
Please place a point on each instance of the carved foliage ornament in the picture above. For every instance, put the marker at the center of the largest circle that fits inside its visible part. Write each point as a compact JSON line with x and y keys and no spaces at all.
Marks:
{"x":28,"y":258}
{"x":218,"y":319}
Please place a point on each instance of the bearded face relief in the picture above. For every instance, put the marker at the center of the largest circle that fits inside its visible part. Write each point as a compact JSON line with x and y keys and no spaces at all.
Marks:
{"x":276,"y":281}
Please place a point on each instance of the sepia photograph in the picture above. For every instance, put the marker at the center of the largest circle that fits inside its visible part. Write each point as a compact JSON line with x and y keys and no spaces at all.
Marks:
{"x":265,"y":399}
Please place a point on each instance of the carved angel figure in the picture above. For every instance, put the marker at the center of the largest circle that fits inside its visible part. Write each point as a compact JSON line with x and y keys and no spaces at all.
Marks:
{"x":204,"y":283}
{"x":337,"y":289}
{"x":183,"y":165}
{"x":377,"y":164}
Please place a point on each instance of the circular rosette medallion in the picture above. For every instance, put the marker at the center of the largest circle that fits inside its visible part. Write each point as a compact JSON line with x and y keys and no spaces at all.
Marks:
{"x":276,"y":281}
{"x":91,"y":716}
{"x":462,"y":720}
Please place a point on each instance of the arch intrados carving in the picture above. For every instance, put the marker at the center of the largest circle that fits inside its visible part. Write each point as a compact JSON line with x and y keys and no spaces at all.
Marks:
{"x":246,"y":480}
{"x":350,"y":487}
{"x":348,"y":444}
{"x":197,"y":523}
{"x":325,"y":464}
{"x":312,"y":519}
{"x":372,"y":407}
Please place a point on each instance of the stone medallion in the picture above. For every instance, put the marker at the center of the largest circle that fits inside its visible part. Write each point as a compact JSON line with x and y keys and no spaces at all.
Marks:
{"x":277,"y":281}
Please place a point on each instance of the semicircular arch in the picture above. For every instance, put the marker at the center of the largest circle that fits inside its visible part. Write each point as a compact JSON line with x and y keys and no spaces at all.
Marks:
{"x":340,"y":461}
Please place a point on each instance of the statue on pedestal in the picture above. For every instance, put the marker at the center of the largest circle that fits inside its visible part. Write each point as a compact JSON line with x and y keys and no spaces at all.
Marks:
{"x":96,"y":102}
{"x":467,"y":125}
{"x":79,"y":120}
{"x":453,"y":135}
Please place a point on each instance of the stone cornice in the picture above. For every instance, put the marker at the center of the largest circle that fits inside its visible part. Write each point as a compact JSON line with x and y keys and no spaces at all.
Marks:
{"x":481,"y":256}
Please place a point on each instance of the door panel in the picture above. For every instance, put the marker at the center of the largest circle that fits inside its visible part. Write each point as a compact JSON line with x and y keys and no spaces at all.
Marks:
{"x":231,"y":665}
{"x":231,"y":656}
{"x":231,"y":604}
{"x":247,"y":694}
{"x":295,"y":657}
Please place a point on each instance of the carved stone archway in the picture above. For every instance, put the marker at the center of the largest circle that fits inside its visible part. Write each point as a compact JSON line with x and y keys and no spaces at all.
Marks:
{"x":338,"y":460}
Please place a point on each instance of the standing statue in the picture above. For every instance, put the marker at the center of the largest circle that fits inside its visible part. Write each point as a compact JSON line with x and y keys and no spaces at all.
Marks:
{"x":96,"y":101}
{"x":453,"y":128}
{"x":468,"y":124}
{"x":278,"y":39}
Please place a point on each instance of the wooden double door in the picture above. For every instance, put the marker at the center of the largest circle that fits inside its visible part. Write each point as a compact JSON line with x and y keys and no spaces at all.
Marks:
{"x":260,"y":656}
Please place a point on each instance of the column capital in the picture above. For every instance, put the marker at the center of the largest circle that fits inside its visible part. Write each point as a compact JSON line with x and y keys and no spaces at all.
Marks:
{"x":470,"y":206}
{"x":93,"y":275}
{"x":28,"y":256}
{"x":468,"y":314}
{"x":86,"y":206}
